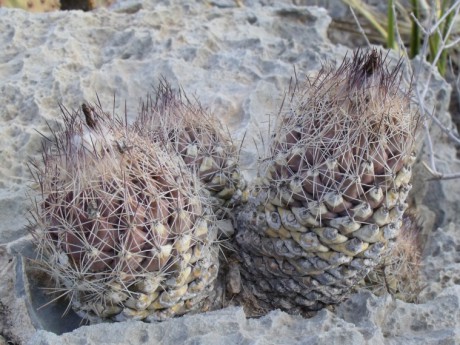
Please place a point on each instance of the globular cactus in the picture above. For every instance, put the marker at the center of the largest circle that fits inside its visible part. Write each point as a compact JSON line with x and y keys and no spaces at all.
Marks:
{"x":332,"y":191}
{"x":201,"y":140}
{"x":32,"y":5}
{"x":121,"y":225}
{"x":126,"y":224}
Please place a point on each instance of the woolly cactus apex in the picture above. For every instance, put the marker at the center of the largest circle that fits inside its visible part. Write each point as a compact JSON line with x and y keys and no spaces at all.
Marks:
{"x":121,"y":225}
{"x":200,"y":139}
{"x":332,"y":190}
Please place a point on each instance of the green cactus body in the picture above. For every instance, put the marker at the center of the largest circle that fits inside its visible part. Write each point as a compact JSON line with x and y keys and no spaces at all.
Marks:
{"x":201,"y":140}
{"x":331,"y":194}
{"x":121,"y":226}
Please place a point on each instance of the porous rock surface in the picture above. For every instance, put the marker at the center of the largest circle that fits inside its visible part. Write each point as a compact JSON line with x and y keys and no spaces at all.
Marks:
{"x":238,"y":61}
{"x":363,"y":319}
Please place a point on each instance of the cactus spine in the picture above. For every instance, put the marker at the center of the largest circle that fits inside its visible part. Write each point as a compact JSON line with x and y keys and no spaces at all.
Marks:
{"x":122,"y":226}
{"x":331,"y":195}
{"x":200,"y":140}
{"x":127,"y":219}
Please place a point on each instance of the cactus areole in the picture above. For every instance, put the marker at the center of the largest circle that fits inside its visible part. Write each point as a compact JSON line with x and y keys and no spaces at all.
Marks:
{"x":331,"y":192}
{"x":125,"y":224}
{"x":122,"y":226}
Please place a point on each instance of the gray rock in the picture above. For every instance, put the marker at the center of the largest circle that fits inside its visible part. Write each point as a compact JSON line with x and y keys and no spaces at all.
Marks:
{"x":238,"y":61}
{"x":363,"y":319}
{"x":382,"y":320}
{"x":436,"y":201}
{"x":441,"y":261}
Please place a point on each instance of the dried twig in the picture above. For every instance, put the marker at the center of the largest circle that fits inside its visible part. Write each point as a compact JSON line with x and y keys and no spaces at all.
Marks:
{"x":429,"y":117}
{"x":434,"y":27}
{"x":360,"y":28}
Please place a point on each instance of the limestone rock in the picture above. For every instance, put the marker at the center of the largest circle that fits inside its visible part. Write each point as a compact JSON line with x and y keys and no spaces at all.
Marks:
{"x":363,"y":319}
{"x":237,"y":61}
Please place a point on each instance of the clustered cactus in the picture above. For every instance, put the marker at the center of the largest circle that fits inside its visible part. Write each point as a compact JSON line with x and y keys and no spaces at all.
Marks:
{"x":122,"y":226}
{"x":126,"y":223}
{"x":331,"y":194}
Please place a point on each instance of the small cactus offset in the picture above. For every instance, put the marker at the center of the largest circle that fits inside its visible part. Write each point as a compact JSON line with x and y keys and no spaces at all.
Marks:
{"x":398,"y":273}
{"x":121,"y":226}
{"x":331,"y":194}
{"x":200,"y":139}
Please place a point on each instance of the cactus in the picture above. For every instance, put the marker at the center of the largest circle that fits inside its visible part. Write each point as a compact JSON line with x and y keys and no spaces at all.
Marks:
{"x":121,"y":225}
{"x":127,"y":221}
{"x":202,"y":142}
{"x":331,"y":193}
{"x":32,"y":5}
{"x":398,"y":273}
